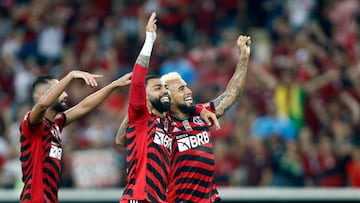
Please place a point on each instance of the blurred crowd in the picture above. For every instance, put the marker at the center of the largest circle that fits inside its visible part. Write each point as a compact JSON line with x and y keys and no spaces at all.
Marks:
{"x":297,"y":123}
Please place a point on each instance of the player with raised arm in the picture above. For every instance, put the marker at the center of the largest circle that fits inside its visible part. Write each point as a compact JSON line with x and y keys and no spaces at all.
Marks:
{"x":144,"y":131}
{"x":192,"y":164}
{"x":148,"y":145}
{"x":40,"y":139}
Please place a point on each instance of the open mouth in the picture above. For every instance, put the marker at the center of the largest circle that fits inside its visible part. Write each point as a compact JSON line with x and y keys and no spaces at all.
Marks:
{"x":63,"y":102}
{"x":188,"y":100}
{"x":164,"y":99}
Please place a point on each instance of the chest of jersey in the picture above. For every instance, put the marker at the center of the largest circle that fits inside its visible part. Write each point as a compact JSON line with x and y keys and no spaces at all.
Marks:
{"x":190,"y":134}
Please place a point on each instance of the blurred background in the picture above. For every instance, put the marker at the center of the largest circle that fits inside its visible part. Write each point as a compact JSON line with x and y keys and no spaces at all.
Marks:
{"x":296,"y":125}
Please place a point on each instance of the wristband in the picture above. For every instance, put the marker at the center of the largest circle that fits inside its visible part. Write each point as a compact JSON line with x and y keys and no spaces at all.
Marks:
{"x":148,"y":44}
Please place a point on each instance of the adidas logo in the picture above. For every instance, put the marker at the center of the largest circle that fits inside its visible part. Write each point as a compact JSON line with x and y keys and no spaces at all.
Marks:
{"x":176,"y":130}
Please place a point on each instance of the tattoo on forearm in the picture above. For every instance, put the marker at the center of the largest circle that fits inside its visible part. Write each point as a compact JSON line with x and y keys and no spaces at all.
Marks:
{"x":233,"y":90}
{"x":243,"y":64}
{"x":121,"y":133}
{"x":222,"y":104}
{"x":143,"y":60}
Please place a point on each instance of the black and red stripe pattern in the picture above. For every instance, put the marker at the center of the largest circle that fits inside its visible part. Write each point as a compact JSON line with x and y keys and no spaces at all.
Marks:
{"x":192,"y":163}
{"x":148,"y":147}
{"x":40,"y":156}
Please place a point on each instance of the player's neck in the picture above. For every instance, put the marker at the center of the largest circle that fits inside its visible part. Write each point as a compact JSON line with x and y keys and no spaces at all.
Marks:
{"x":158,"y":113}
{"x":50,"y":114}
{"x":153,"y":110}
{"x":177,"y":113}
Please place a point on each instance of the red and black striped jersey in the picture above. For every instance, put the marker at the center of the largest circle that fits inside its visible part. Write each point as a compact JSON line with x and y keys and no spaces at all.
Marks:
{"x":192,"y":163}
{"x":40,"y":156}
{"x":148,"y":147}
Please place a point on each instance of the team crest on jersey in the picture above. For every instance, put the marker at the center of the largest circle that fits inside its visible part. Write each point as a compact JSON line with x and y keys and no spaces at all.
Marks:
{"x":164,"y":140}
{"x":197,"y":120}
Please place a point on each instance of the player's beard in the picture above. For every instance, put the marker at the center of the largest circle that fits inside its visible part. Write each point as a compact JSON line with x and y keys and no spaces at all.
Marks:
{"x":186,"y":108}
{"x":58,"y":107}
{"x":161,"y":107}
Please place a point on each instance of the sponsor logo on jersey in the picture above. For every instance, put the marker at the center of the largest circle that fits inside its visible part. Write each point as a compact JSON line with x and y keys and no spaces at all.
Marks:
{"x":164,"y":140}
{"x":55,"y":151}
{"x":193,"y":141}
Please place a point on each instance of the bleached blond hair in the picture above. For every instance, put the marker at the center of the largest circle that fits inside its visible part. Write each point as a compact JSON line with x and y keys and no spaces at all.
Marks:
{"x":171,"y":76}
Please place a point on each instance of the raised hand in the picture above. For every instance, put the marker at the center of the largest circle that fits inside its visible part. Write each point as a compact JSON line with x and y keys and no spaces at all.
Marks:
{"x":124,"y":80}
{"x":90,"y":79}
{"x":243,"y":43}
{"x":151,"y":26}
{"x":145,"y":53}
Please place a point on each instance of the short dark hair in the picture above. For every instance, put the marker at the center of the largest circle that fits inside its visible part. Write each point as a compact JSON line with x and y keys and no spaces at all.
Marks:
{"x":149,"y":77}
{"x":42,"y":79}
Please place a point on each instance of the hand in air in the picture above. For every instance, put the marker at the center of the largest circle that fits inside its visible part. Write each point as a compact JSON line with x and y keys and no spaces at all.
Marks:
{"x":151,"y":25}
{"x":124,"y":80}
{"x":243,"y":43}
{"x":89,"y":78}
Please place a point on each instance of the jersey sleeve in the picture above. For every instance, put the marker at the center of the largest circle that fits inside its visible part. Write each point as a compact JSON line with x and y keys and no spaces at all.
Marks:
{"x":137,"y":100}
{"x":210,"y":106}
{"x":26,"y":128}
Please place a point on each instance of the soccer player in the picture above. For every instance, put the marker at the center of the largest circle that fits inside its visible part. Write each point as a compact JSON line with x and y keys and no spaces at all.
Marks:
{"x":192,"y":164}
{"x":40,"y":139}
{"x":145,"y":130}
{"x":148,"y":145}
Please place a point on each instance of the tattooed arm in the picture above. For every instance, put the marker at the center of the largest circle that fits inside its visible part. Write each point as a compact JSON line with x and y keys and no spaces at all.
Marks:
{"x":137,"y":95}
{"x":236,"y":85}
{"x":137,"y":103}
{"x":121,"y":133}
